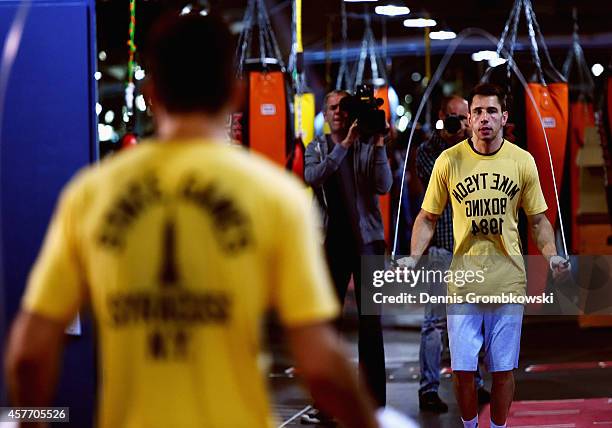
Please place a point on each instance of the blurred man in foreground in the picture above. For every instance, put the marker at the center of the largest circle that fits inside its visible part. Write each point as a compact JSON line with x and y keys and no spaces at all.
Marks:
{"x":180,"y":246}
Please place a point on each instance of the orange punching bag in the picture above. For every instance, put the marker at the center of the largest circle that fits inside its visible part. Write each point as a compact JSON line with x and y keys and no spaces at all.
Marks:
{"x":264,"y":124}
{"x":267,"y":115}
{"x":552,"y":103}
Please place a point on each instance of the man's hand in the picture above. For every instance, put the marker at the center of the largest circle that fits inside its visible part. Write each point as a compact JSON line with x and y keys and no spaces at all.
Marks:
{"x":351,"y":137}
{"x":380,"y":138}
{"x":560,"y":267}
{"x":407,"y":262}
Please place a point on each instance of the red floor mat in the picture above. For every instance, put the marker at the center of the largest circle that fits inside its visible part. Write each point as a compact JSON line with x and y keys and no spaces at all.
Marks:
{"x":537,"y":368}
{"x":577,"y":413}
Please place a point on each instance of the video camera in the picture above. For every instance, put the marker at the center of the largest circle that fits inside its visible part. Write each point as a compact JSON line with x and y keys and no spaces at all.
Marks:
{"x":365,"y":108}
{"x":453,"y":124}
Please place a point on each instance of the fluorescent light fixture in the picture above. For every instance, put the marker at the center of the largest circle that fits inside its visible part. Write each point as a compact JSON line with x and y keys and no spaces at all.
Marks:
{"x":442,"y":35}
{"x":392,"y":10}
{"x":497,"y":61}
{"x":484,"y":56}
{"x":597,"y":69}
{"x":420,"y":23}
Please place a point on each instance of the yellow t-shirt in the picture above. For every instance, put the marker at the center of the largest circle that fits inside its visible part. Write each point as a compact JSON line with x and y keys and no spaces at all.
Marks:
{"x":181,"y":248}
{"x":486,"y":192}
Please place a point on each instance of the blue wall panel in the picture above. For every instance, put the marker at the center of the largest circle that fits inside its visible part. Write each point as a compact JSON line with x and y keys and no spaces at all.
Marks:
{"x":49,"y":132}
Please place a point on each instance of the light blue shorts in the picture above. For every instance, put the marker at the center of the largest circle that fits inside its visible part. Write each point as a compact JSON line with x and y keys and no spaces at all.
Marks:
{"x":498,"y":327}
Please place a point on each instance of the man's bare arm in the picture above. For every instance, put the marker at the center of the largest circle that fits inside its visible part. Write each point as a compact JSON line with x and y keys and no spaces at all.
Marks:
{"x":422,"y":232}
{"x":543,"y":234}
{"x":322,"y":361}
{"x":33,"y":359}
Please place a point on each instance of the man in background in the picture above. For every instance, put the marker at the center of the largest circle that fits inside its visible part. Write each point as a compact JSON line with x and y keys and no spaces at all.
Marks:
{"x":485,"y":163}
{"x":454,"y":116}
{"x":348,"y":171}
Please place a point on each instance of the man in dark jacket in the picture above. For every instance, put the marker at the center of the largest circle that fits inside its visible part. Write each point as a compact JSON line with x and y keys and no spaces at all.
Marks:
{"x":347,"y":172}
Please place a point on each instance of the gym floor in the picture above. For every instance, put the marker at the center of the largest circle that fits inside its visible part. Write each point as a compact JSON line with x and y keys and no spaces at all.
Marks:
{"x":564,"y":379}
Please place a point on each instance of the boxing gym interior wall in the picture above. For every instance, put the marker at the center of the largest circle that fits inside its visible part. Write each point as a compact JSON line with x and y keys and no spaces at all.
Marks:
{"x":48,"y":133}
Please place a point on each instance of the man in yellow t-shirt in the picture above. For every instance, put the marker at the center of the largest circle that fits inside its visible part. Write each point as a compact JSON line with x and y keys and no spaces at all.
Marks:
{"x":486,"y":179}
{"x":179,"y":247}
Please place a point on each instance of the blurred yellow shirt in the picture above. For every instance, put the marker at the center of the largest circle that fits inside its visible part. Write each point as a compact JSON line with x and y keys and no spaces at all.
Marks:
{"x":486,"y":192}
{"x":181,"y":248}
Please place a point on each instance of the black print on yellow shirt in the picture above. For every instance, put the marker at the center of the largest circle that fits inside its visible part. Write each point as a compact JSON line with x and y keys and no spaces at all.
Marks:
{"x":139,"y":195}
{"x":492,"y":209}
{"x":484,"y":181}
{"x":231,"y":227}
{"x":169,"y":312}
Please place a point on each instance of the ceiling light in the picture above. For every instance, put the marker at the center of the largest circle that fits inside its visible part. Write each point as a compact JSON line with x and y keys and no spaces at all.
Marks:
{"x":497,"y":61}
{"x":392,"y":10}
{"x":442,"y":35}
{"x":109,"y":116}
{"x":597,"y":69}
{"x":139,"y":74}
{"x":484,"y":56}
{"x":419,"y":23}
{"x":402,"y":124}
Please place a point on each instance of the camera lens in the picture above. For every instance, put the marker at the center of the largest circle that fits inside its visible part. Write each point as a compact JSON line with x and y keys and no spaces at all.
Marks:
{"x":452,"y":124}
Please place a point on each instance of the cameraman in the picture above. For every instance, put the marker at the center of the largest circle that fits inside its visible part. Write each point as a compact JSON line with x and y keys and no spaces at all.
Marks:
{"x":454,"y":112}
{"x":347,"y":173}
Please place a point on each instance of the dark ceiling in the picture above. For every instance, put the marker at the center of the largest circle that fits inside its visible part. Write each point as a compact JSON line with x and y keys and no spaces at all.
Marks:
{"x":554,"y":16}
{"x":321,"y":29}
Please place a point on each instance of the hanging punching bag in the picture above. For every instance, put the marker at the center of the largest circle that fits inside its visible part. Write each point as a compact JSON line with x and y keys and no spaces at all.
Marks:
{"x":306,"y":102}
{"x":581,"y":118}
{"x":267,"y":115}
{"x":265,"y":121}
{"x":552,"y":103}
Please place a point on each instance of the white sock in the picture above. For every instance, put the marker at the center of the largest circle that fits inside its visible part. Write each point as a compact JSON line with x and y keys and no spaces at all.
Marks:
{"x":473,"y":423}
{"x":493,"y":425}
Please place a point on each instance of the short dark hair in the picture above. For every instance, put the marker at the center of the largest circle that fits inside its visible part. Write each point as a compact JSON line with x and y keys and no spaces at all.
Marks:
{"x":190,"y":62}
{"x":487,"y":90}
